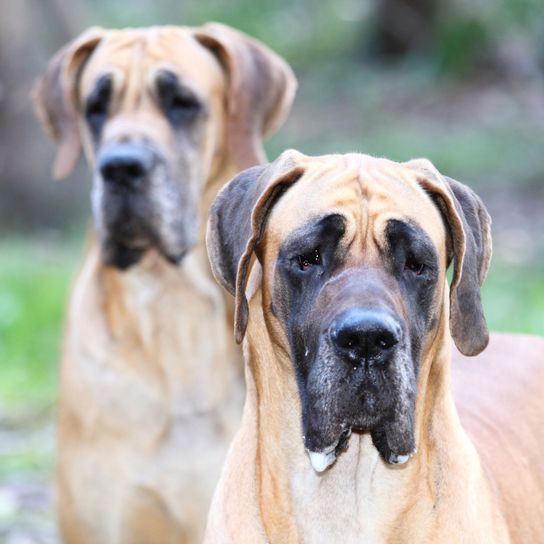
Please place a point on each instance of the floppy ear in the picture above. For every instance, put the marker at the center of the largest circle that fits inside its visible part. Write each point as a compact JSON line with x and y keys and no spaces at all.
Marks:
{"x":470,"y":230}
{"x":55,"y":98}
{"x":236,"y":224}
{"x":261,"y":89}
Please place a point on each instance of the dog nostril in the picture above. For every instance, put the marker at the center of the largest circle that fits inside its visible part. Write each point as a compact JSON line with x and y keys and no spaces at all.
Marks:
{"x":108,"y":172}
{"x":386,"y":340}
{"x":363,"y":334}
{"x":122,"y":171}
{"x":134,"y":170}
{"x":125,"y":165}
{"x":345,"y":338}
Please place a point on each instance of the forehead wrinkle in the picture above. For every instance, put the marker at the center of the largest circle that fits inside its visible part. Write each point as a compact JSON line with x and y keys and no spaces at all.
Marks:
{"x":165,"y":43}
{"x":325,"y":180}
{"x":396,"y":194}
{"x":376,"y":200}
{"x":320,"y":191}
{"x":383,"y":190}
{"x":137,"y":54}
{"x":177,"y":50}
{"x":117,"y":41}
{"x":134,"y":81}
{"x":121,"y":56}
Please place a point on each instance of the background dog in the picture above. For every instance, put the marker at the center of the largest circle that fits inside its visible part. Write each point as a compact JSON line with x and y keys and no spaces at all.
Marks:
{"x":350,"y":432}
{"x":151,"y":387}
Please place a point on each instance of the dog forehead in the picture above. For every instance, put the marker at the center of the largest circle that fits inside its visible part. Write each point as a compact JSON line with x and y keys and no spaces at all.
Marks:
{"x":149,"y":50}
{"x":359,"y":187}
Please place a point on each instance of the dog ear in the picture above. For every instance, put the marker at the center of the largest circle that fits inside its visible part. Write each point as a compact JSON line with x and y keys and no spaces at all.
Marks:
{"x":470,"y":230}
{"x":261,"y":90}
{"x":55,"y":98}
{"x":237,"y":222}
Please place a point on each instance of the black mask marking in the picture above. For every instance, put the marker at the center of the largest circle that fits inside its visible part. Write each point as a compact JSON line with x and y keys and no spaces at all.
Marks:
{"x":180,"y":105}
{"x":96,"y":109}
{"x":367,"y":383}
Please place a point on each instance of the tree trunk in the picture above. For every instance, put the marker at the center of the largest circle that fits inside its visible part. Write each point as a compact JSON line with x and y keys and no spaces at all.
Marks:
{"x":402,"y":27}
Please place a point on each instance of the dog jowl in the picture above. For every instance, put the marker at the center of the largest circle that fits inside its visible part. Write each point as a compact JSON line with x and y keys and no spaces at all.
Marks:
{"x":357,"y":280}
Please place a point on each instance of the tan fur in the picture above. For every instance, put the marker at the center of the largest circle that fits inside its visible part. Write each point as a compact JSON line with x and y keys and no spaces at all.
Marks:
{"x":151,"y":382}
{"x":488,"y":488}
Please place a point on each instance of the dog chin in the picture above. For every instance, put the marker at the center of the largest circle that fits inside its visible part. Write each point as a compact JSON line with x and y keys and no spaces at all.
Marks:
{"x":394,"y":441}
{"x":124,"y":256}
{"x":121,"y":255}
{"x":322,"y":460}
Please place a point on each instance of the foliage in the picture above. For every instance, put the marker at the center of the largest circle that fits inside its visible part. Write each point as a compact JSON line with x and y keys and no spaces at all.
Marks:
{"x":301,"y":31}
{"x":308,"y":32}
{"x":469,"y":33}
{"x":513,"y":298}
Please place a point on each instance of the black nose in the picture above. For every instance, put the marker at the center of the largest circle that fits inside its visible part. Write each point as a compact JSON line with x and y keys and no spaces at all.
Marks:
{"x":125,"y":165}
{"x":359,"y":334}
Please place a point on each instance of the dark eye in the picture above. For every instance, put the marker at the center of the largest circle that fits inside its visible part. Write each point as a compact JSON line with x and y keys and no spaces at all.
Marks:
{"x":96,"y":110}
{"x":309,"y":259}
{"x":180,"y":108}
{"x":413,"y":265}
{"x":179,"y":104}
{"x":96,"y":107}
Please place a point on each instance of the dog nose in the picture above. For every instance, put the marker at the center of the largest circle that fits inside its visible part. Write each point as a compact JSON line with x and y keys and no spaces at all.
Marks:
{"x":365,"y":334}
{"x":125,"y":165}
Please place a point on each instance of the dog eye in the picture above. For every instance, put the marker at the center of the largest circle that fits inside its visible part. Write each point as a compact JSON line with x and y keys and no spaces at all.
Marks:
{"x":182,"y":108}
{"x":178,"y":103}
{"x":414,"y":266}
{"x":96,"y":110}
{"x":97,"y":107}
{"x":308,"y":260}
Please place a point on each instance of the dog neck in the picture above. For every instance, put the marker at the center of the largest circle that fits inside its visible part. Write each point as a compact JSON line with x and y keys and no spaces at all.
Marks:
{"x":360,"y":496}
{"x":150,"y":314}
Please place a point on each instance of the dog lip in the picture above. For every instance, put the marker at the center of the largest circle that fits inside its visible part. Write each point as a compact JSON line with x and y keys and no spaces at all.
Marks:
{"x":136,"y":243}
{"x":321,"y":460}
{"x":175,"y":259}
{"x":396,"y":459}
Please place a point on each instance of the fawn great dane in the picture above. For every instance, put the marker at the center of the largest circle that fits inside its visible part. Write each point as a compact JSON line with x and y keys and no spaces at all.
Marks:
{"x":350,"y":432}
{"x":151,"y":383}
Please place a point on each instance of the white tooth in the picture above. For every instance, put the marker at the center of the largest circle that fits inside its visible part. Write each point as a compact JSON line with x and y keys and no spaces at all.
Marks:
{"x":399,"y":459}
{"x":321,"y":460}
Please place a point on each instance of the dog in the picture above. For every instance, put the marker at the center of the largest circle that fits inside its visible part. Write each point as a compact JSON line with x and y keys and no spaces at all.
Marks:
{"x":349,"y":432}
{"x":151,"y":385}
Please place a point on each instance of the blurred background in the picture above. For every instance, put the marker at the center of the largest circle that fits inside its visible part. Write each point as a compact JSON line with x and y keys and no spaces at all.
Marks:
{"x":458,"y":81}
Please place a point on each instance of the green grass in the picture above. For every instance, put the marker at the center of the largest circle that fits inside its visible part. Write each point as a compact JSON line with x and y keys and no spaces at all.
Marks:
{"x":34,"y":280}
{"x":37,"y":459}
{"x":34,"y":283}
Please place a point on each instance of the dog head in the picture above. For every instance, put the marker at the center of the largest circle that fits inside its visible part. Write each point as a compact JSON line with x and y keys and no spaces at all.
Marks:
{"x":354,"y":252}
{"x":159,"y":111}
